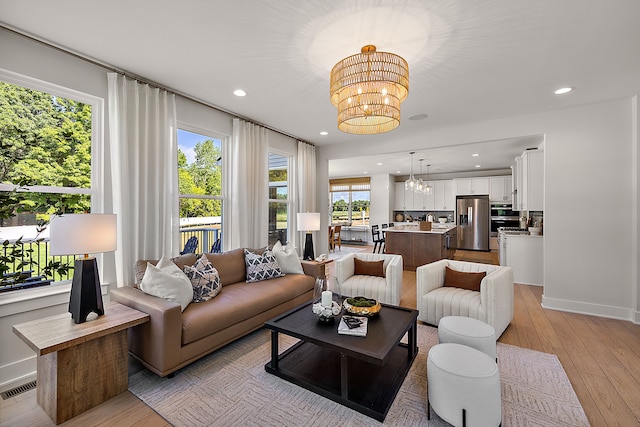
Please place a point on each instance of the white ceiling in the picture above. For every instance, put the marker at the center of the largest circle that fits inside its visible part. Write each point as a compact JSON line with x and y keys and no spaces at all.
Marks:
{"x":469,"y":60}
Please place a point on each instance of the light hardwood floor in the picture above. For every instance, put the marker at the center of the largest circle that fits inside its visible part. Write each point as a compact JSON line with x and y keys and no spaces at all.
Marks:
{"x":601,"y":358}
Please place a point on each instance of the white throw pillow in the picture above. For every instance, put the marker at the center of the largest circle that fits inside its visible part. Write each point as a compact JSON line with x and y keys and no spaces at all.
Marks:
{"x":287,"y":258}
{"x":166,"y":280}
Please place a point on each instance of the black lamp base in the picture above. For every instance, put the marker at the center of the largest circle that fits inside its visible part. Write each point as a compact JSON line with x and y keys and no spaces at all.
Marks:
{"x":308,"y":248}
{"x":86,"y":295}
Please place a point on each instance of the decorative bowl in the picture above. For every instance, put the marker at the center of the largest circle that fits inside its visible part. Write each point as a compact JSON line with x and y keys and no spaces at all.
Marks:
{"x":442,"y":220}
{"x":361,"y":306}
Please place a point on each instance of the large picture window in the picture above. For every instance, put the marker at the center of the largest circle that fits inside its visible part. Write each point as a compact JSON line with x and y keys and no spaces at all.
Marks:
{"x":48,"y":139}
{"x":278,"y":199}
{"x":200,"y":183}
{"x":350,"y":201}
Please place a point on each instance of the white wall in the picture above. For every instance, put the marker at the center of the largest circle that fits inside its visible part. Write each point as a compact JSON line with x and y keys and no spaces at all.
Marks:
{"x":381,"y":192}
{"x":589,"y":170}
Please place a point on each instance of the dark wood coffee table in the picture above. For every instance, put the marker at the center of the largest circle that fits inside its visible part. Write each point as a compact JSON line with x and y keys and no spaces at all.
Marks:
{"x":363,"y":373}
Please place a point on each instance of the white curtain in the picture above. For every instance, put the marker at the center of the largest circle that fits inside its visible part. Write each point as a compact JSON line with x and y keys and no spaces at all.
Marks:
{"x":306,"y":185}
{"x":143,"y":150}
{"x":249,"y":187}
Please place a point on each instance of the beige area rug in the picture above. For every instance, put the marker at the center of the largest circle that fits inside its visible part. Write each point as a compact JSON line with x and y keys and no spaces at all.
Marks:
{"x":231,"y":388}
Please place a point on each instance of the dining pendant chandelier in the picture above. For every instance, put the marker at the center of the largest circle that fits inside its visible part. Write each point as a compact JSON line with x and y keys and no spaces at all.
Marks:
{"x":428,"y":189}
{"x":412,"y":182}
{"x":367,"y":88}
{"x":420,"y":186}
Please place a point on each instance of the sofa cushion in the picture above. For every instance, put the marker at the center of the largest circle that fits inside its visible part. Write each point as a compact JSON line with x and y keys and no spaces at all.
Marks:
{"x":204,"y":279}
{"x":240,"y":301}
{"x":261,"y":267}
{"x":167,"y":281}
{"x":141,"y":265}
{"x":230,"y":266}
{"x":465,"y":280}
{"x":368,"y":268}
{"x":287,"y":258}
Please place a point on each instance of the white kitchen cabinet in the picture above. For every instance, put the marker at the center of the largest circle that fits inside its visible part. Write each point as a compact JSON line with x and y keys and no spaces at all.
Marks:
{"x":398,"y":203}
{"x":529,"y":177}
{"x":406,"y":200}
{"x":472,"y":186}
{"x":525,"y":257}
{"x":500,"y":189}
{"x":430,"y":199}
{"x":444,"y":195}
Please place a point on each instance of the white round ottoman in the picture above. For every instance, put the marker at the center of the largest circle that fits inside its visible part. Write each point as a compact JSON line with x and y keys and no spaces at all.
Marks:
{"x":463,"y":386}
{"x":467,"y":331}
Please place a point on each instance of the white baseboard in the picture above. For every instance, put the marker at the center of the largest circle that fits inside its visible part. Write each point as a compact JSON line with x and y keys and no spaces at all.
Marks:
{"x":18,"y":373}
{"x":600,"y":310}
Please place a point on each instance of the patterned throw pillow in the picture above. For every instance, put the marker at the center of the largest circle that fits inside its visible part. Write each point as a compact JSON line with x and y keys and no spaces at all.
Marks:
{"x":261,"y":267}
{"x":204,"y":278}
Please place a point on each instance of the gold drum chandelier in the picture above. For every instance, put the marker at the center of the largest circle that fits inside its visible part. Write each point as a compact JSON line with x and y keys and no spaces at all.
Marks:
{"x":368,"y":88}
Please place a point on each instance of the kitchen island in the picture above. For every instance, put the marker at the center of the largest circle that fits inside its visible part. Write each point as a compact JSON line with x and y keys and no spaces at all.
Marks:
{"x":419,"y":247}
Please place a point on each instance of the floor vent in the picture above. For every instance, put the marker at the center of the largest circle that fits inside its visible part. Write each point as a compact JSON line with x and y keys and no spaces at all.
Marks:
{"x":18,"y":390}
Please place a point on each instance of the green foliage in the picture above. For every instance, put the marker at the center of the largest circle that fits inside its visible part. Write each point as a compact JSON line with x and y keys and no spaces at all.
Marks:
{"x":44,"y":140}
{"x":202,"y":177}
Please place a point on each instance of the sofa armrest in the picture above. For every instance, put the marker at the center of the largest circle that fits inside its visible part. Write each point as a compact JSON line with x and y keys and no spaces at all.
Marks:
{"x":430,"y":277}
{"x":393,"y":275}
{"x":345,"y":268}
{"x":157,"y":343}
{"x":312,"y":269}
{"x":496,"y":295}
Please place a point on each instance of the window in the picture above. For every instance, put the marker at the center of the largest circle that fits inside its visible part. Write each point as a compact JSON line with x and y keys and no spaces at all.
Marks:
{"x":48,"y":137}
{"x":278,"y":198}
{"x":350,"y":200}
{"x":200,"y":183}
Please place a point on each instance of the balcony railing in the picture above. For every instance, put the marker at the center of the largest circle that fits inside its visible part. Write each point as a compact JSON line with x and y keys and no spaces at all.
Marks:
{"x":207,"y":236}
{"x":29,"y":268}
{"x":36,"y":255}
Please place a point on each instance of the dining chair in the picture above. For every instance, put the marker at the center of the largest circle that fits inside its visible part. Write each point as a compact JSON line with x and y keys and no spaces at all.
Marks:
{"x":378,"y":240}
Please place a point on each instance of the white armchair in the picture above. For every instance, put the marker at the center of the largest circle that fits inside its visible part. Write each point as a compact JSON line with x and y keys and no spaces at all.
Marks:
{"x":384,"y":289}
{"x":492,"y":305}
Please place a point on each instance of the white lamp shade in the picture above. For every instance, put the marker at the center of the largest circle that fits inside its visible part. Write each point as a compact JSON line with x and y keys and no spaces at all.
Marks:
{"x":309,"y":221}
{"x":75,"y":234}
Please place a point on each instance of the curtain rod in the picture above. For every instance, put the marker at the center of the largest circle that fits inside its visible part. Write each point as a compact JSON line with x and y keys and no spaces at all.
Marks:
{"x":138,"y":78}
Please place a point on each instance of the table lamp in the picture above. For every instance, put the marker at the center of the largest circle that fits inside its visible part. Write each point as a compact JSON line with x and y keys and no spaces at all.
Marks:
{"x":76,"y":234}
{"x":308,"y":222}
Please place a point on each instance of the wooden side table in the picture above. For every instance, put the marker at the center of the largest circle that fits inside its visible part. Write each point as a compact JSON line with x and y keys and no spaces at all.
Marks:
{"x":80,"y":365}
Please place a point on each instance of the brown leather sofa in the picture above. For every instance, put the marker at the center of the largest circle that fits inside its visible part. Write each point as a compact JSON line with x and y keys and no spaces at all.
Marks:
{"x":173,"y":339}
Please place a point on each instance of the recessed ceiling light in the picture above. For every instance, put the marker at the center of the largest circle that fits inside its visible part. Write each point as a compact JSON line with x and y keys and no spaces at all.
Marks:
{"x":563,"y":90}
{"x":398,"y":171}
{"x":239,"y":92}
{"x":478,"y":166}
{"x":365,"y":172}
{"x":379,"y":163}
{"x":324,"y":133}
{"x":418,"y":117}
{"x":475,"y":155}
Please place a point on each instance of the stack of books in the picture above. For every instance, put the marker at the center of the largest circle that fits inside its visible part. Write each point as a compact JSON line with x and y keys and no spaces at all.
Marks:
{"x":352,"y":325}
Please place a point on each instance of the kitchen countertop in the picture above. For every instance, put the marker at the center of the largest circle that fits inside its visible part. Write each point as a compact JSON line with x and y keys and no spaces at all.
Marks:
{"x":524,"y":234}
{"x":415,"y":228}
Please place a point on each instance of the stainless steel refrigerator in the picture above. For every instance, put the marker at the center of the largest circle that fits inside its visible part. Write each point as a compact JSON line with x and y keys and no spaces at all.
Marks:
{"x":473,"y":222}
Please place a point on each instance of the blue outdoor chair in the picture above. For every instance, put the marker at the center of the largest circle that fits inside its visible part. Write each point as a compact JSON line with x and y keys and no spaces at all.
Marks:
{"x":216,"y":248}
{"x":191,"y":246}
